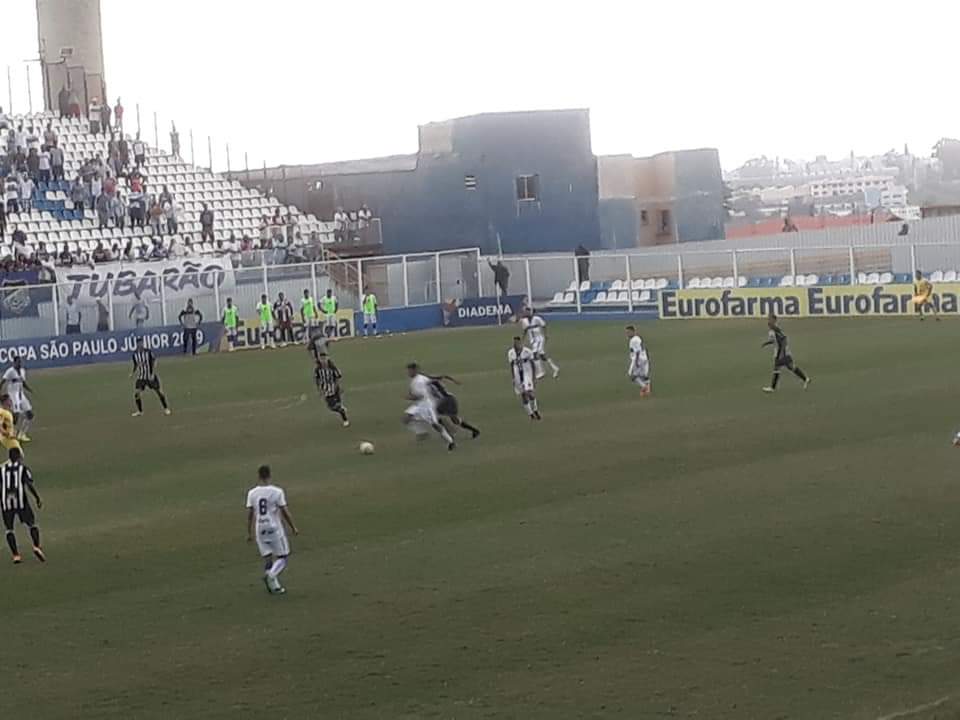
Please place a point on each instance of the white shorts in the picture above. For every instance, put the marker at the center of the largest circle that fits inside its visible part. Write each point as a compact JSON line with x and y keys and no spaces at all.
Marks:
{"x":640,"y":373}
{"x":330,"y":321}
{"x":538,"y":346}
{"x":266,"y":326}
{"x":526,"y":386}
{"x":369,"y":318}
{"x":21,"y":403}
{"x":272,"y":541}
{"x":310,"y":322}
{"x":423,"y":412}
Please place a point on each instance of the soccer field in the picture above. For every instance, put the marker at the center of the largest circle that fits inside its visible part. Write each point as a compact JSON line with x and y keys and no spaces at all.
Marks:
{"x":709,"y":552}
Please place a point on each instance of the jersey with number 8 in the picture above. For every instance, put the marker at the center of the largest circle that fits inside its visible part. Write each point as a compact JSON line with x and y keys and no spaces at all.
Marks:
{"x":266,"y":501}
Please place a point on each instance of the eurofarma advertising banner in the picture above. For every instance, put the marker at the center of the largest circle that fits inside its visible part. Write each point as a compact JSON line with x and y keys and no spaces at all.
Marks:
{"x":832,"y":301}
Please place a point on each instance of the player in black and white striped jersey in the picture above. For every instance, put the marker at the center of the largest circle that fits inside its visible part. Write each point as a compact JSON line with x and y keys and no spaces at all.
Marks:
{"x":327,"y":377}
{"x":145,"y":376}
{"x":16,"y":481}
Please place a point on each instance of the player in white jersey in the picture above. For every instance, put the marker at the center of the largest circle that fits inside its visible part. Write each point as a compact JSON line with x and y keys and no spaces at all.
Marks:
{"x":14,"y":384}
{"x":422,"y":415}
{"x":639,"y":369}
{"x":266,"y":514}
{"x":535,"y":332}
{"x":523,"y":371}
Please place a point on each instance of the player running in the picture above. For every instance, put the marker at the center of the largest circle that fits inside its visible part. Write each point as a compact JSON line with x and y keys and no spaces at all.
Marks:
{"x":639,"y":368}
{"x":266,"y":514}
{"x":283,"y":312}
{"x":369,"y":305}
{"x":16,"y":481}
{"x":422,"y":415}
{"x":231,"y":322}
{"x":447,"y":404}
{"x":265,"y":313}
{"x":14,"y":383}
{"x":923,"y":297}
{"x":781,"y":356}
{"x":534,"y":331}
{"x":8,"y":428}
{"x":327,"y":377}
{"x":523,"y":371}
{"x":145,"y":374}
{"x":308,"y":315}
{"x":329,"y":307}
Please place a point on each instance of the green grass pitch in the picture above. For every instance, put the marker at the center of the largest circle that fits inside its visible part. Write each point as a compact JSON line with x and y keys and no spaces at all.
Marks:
{"x":710,"y":552}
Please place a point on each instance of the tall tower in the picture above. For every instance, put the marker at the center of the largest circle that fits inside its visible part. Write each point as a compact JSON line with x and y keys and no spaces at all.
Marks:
{"x":71,"y":49}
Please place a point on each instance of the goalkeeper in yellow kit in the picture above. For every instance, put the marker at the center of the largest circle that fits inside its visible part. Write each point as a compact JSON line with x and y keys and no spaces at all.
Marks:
{"x":923,"y":296}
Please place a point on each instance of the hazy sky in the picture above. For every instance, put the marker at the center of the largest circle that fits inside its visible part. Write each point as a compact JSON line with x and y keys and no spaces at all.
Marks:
{"x":293,"y":81}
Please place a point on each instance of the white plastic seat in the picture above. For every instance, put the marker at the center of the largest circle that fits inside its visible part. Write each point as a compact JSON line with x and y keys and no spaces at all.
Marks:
{"x":936,"y":276}
{"x":601,"y":297}
{"x":873,"y":279}
{"x":811,"y":279}
{"x":694,"y":283}
{"x":660,"y":284}
{"x":568,"y":298}
{"x":585,"y":286}
{"x":728,"y":282}
{"x":787,"y":281}
{"x":616,"y":285}
{"x":741,"y":281}
{"x":950,"y":276}
{"x":886,"y":278}
{"x":557,"y":298}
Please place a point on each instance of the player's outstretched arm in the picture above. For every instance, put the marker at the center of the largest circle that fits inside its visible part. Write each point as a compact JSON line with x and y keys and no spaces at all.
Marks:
{"x":33,"y":491}
{"x":288,"y":519}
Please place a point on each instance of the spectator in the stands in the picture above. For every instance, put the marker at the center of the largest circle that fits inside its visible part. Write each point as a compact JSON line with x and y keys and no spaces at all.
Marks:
{"x":206,"y":224}
{"x":501,"y":276}
{"x":364,"y":216}
{"x":177,"y":248}
{"x":4,"y":120}
{"x":136,"y":183}
{"x":100,"y":253}
{"x":105,"y":118}
{"x":66,"y":259}
{"x":50,"y":135}
{"x":43,"y":165}
{"x":12,"y":194}
{"x":20,"y":248}
{"x":103,"y":316}
{"x":277,"y":239}
{"x":291,"y":227}
{"x":156,"y":219}
{"x":174,"y":140}
{"x":138,"y":208}
{"x":139,"y":152}
{"x":20,"y":161}
{"x":95,"y":116}
{"x":139,"y":311}
{"x":109,"y":185}
{"x":171,"y":213}
{"x":118,"y":210}
{"x":26,"y":193}
{"x":165,"y":196}
{"x":72,"y":316}
{"x":3,"y":220}
{"x":73,"y":105}
{"x":78,"y":194}
{"x":158,"y":252}
{"x":33,"y":164}
{"x":246,"y":244}
{"x":264,"y":229}
{"x":118,"y":115}
{"x":131,"y":253}
{"x":63,"y":101}
{"x":95,"y":188}
{"x":56,"y":162}
{"x":583,"y":262}
{"x":124,"y":148}
{"x":103,"y":208}
{"x":339,"y":225}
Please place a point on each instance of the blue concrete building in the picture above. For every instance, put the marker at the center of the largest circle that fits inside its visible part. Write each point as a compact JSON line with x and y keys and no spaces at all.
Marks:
{"x":520,"y":181}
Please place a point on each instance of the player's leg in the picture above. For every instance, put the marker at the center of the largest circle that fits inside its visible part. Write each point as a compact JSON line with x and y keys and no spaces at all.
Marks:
{"x":775,"y":380}
{"x":554,"y":368}
{"x":335,"y":404}
{"x":795,"y":369}
{"x":8,"y":517}
{"x":163,"y":398}
{"x":26,"y":421}
{"x":373,"y":321}
{"x":138,"y":400}
{"x":280,"y":552}
{"x":27,"y":518}
{"x":444,"y":433}
{"x":534,"y":405}
{"x":473,"y":429}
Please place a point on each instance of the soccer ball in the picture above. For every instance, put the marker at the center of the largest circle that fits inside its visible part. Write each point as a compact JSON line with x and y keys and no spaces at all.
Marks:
{"x":366,"y":448}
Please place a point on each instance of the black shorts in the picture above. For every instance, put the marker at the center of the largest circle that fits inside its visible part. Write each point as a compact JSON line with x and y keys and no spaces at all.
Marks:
{"x":448,"y":407}
{"x":333,"y":401}
{"x":152,"y":384}
{"x":25,"y":514}
{"x":783,"y":362}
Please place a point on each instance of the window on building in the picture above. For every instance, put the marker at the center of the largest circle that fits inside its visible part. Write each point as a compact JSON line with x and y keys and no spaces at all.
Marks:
{"x":528,"y":187}
{"x":665,"y":221}
{"x":644,"y":218}
{"x":470,"y":182}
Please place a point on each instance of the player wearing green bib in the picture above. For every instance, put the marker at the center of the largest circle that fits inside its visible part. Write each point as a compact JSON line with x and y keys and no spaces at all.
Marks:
{"x":231,"y":320}
{"x":369,"y":304}
{"x":308,"y":314}
{"x":329,"y":307}
{"x":265,"y":313}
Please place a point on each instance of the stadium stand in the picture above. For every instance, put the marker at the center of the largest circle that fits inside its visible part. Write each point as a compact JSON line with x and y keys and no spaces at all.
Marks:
{"x":60,"y":221}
